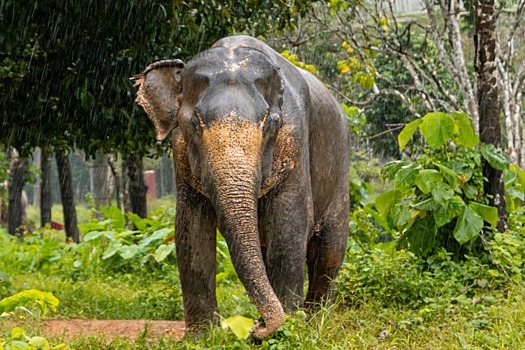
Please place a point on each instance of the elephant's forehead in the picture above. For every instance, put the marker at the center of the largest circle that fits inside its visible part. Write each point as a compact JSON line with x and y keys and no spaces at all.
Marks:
{"x":242,"y":63}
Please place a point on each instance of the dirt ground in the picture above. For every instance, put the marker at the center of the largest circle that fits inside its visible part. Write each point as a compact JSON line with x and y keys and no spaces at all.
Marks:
{"x":132,"y":329}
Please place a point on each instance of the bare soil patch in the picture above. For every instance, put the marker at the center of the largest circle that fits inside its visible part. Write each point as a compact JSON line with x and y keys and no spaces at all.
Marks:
{"x":110,"y":329}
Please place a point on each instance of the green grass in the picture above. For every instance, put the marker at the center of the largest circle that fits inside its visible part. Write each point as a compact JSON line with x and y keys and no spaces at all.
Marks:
{"x":382,"y":301}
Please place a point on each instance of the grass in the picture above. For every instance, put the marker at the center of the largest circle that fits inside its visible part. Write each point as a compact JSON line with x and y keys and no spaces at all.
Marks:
{"x":449,"y":310}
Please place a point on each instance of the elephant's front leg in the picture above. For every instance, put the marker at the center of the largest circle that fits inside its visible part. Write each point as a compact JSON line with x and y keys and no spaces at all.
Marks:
{"x":286,"y":219}
{"x":195,"y":241}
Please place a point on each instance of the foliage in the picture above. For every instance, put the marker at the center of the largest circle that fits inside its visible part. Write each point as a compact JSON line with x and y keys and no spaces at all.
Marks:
{"x":18,"y":338}
{"x":44,"y":300}
{"x":438,"y":199}
{"x":151,"y":241}
{"x":65,"y":69}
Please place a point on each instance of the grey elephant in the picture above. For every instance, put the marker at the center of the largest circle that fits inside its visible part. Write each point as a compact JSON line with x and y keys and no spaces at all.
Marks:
{"x":261,"y":152}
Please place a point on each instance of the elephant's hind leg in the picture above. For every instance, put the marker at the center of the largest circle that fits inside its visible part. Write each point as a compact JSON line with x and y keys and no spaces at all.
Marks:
{"x":326,"y":248}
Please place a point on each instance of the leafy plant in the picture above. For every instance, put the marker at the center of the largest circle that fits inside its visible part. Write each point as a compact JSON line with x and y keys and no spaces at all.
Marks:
{"x":151,"y":242}
{"x":44,"y":300}
{"x":438,"y":199}
{"x":18,"y":338}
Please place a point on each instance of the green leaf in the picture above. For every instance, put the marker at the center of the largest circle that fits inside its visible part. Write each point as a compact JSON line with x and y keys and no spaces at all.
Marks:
{"x":96,"y":234}
{"x":448,"y":174}
{"x":468,"y":226}
{"x":43,"y":299}
{"x":427,"y":179}
{"x":112,"y":212}
{"x":406,"y":134}
{"x":406,"y":176}
{"x":239,"y":325}
{"x":39,"y":342}
{"x":375,"y":215}
{"x":399,"y":215}
{"x":427,"y":204}
{"x":437,"y":128}
{"x":494,"y":157}
{"x":385,"y":201}
{"x":140,"y":223}
{"x":163,"y":251}
{"x":442,"y":193}
{"x":111,"y":250}
{"x":449,"y":210}
{"x":466,"y":134}
{"x":128,"y":251}
{"x":17,"y":333}
{"x":390,"y":169}
{"x":421,"y":236}
{"x":488,"y":213}
{"x":155,"y":236}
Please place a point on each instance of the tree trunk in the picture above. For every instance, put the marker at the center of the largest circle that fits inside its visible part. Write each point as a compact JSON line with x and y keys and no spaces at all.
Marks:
{"x":116,"y":180}
{"x":100,"y":180}
{"x":17,"y":206}
{"x":137,"y":187}
{"x":68,"y":200}
{"x":488,"y":100}
{"x":46,"y":198}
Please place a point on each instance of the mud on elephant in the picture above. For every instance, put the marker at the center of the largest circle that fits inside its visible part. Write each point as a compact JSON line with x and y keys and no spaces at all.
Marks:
{"x":261,"y":152}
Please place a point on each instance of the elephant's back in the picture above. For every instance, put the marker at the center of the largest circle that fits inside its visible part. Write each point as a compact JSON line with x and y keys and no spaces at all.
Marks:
{"x":329,"y":145}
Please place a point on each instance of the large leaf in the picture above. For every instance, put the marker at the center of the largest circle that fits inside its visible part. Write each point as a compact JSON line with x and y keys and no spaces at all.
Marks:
{"x":44,"y":299}
{"x":406,"y":176}
{"x":239,"y":325}
{"x":449,"y":210}
{"x":437,"y":128}
{"x":390,"y":169}
{"x":385,"y":201}
{"x":111,"y":250}
{"x":118,"y":220}
{"x":427,"y":179}
{"x":468,"y":226}
{"x":488,"y":213}
{"x":96,"y":234}
{"x":163,"y":251}
{"x":466,"y":134}
{"x":449,"y":175}
{"x":494,"y":157}
{"x":155,"y":236}
{"x":399,"y":215}
{"x":442,"y":193}
{"x":380,"y":219}
{"x":128,"y":251}
{"x":421,"y":236}
{"x":406,"y":134}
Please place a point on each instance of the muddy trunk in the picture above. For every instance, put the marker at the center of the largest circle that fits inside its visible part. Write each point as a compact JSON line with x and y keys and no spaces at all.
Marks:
{"x":233,"y":179}
{"x":238,"y":223}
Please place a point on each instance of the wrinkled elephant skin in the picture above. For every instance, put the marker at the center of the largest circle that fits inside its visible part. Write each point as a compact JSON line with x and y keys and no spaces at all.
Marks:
{"x":261,"y":152}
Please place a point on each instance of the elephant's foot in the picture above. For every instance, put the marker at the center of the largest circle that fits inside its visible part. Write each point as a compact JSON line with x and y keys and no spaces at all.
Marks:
{"x":271,"y":325}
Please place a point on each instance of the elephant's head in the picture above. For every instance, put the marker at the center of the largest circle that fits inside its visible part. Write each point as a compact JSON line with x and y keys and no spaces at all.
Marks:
{"x":227,"y":104}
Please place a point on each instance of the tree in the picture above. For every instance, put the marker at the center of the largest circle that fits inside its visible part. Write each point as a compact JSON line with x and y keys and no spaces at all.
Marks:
{"x":489,"y":100}
{"x":68,"y":199}
{"x":436,"y":57}
{"x":65,"y":65}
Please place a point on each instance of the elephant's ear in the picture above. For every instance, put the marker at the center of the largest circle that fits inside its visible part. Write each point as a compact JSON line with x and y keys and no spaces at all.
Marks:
{"x":160,"y":91}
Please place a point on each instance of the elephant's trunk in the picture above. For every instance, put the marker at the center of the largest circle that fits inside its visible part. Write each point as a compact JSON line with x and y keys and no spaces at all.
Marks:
{"x":233,"y":184}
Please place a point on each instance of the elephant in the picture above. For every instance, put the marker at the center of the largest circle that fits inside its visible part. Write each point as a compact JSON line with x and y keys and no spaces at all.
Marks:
{"x":261,"y":154}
